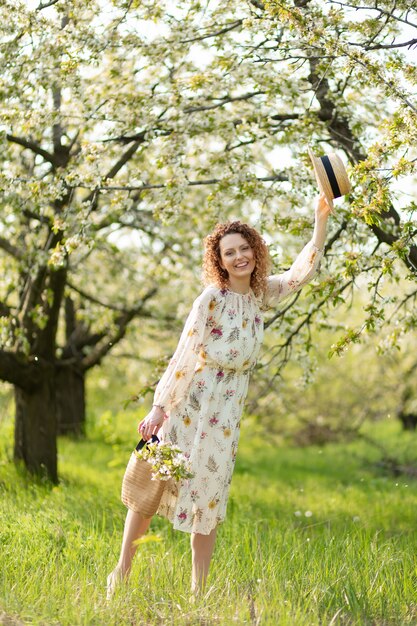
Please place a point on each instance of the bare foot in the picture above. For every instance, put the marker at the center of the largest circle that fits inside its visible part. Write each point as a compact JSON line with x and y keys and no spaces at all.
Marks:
{"x":113,"y":580}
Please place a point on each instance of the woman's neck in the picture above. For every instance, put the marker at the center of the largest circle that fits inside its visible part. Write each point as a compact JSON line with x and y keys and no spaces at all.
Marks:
{"x":240,"y":286}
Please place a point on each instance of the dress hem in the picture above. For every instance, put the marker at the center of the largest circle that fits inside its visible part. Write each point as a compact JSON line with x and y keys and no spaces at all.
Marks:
{"x":188,"y":530}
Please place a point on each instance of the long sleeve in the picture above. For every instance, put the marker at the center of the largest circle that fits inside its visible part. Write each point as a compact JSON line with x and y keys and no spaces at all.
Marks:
{"x":300,"y":273}
{"x":178,"y":376}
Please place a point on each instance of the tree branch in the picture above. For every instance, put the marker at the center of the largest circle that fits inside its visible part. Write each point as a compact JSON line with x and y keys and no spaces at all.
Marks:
{"x":389,"y":14}
{"x":45,"y":340}
{"x":305,"y":321}
{"x":10,"y":248}
{"x":94,"y":196}
{"x":222,"y":101}
{"x":81,"y":338}
{"x":96,"y":356}
{"x":21,"y":371}
{"x":31,"y":293}
{"x":129,"y":138}
{"x":191,"y":183}
{"x":335,"y":237}
{"x":410,"y":260}
{"x":402,"y":303}
{"x":31,"y":145}
{"x":409,"y":44}
{"x":5,"y":310}
{"x":90,"y":298}
{"x":124,"y":159}
{"x":337,"y":124}
{"x":223,"y":30}
{"x":44,"y":5}
{"x":258,"y":4}
{"x":192,"y":109}
{"x":284,"y":117}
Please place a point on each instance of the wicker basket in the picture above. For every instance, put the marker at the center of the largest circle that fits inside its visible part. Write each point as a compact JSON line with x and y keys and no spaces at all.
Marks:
{"x":139,"y":492}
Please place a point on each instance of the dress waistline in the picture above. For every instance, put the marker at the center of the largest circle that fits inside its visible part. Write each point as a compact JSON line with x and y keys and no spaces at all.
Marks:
{"x":207,"y":362}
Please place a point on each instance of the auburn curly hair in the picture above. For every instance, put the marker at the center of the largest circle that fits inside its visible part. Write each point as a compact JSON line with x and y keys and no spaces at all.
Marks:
{"x":213,"y":273}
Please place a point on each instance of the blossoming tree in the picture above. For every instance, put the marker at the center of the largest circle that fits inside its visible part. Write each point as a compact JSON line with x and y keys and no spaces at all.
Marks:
{"x":122,"y":116}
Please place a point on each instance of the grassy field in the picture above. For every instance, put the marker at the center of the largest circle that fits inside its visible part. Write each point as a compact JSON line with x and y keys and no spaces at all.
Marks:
{"x":313,"y":536}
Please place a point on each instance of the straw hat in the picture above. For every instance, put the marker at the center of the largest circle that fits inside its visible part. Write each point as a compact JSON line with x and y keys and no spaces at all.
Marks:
{"x":331,"y":175}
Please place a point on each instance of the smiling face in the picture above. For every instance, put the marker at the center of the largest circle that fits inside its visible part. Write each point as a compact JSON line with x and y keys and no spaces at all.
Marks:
{"x":237,"y":258}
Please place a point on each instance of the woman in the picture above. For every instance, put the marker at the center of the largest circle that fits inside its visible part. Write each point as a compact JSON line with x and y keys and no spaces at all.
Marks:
{"x":199,"y":400}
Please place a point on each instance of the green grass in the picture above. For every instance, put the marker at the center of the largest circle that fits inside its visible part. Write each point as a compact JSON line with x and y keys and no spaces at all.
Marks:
{"x":312,"y":536}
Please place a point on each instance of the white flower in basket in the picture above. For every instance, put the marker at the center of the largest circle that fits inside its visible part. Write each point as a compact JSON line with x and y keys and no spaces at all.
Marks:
{"x":167,"y":461}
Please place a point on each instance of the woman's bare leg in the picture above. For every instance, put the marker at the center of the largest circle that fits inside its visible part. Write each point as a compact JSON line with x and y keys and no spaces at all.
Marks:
{"x":202,"y":547}
{"x":135,"y":527}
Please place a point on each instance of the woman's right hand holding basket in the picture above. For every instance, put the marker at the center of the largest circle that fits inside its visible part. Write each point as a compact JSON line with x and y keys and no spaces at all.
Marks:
{"x":151,"y":423}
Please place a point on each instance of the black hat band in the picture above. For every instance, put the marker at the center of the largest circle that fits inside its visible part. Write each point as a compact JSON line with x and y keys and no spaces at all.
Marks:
{"x":330,"y":175}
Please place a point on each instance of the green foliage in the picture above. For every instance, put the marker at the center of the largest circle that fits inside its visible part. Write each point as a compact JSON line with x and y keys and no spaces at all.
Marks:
{"x":353,"y":371}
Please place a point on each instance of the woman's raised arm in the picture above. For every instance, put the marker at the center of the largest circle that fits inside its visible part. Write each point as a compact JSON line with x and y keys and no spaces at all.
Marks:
{"x":305,"y":265}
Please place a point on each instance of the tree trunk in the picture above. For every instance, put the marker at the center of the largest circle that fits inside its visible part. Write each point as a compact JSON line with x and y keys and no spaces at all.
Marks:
{"x":408,"y":420}
{"x":36,"y":429}
{"x":70,"y":398}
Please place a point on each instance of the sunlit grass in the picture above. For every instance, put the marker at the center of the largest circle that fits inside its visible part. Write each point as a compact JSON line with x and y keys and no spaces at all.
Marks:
{"x":313,"y":536}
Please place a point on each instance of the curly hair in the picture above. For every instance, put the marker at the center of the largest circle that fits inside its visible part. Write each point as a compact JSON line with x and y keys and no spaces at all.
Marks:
{"x":213,"y":273}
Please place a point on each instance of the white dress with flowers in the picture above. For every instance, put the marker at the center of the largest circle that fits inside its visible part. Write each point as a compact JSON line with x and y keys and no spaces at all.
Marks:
{"x":204,"y":388}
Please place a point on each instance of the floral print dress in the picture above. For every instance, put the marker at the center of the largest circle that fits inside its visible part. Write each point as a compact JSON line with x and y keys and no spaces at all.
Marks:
{"x":204,"y":388}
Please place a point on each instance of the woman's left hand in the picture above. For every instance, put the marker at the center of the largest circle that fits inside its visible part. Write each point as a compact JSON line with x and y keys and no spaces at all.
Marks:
{"x":323,"y":208}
